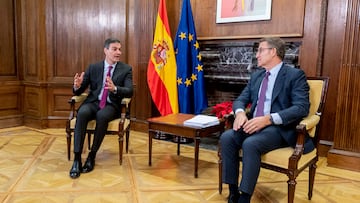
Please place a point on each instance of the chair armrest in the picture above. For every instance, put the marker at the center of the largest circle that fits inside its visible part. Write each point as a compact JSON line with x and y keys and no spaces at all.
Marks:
{"x":230,"y":115}
{"x":126,"y":101}
{"x":125,"y":114}
{"x":310,"y":121}
{"x":229,"y":120}
{"x":72,"y":101}
{"x":77,"y":99}
{"x":125,"y":108}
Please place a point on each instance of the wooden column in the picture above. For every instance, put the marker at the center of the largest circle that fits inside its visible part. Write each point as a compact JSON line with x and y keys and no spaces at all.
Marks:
{"x":346,"y":149}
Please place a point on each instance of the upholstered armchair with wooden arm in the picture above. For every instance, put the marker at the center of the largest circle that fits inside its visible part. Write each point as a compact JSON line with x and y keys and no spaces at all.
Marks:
{"x":292,"y":161}
{"x":119,"y":126}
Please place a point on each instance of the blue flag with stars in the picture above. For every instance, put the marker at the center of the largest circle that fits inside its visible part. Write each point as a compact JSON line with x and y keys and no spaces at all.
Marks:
{"x":190,"y":73}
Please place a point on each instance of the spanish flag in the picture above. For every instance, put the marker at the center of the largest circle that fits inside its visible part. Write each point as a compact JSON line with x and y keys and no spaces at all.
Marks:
{"x":161,"y":72}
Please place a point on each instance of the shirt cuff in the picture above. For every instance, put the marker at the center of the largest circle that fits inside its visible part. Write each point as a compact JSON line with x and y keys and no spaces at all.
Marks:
{"x":239,"y":110}
{"x":276,"y":118}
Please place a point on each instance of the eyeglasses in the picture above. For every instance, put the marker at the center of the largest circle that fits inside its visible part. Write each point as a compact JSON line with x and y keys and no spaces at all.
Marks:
{"x":261,"y":49}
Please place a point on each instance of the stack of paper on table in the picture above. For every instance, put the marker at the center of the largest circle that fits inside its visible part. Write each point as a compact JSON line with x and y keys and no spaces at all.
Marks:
{"x":202,"y":121}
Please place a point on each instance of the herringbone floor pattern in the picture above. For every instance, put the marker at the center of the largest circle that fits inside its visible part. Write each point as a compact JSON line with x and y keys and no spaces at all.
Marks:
{"x":34,"y":168}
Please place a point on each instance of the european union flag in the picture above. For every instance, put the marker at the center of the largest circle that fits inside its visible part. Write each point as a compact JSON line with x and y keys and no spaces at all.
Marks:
{"x":190,"y":73}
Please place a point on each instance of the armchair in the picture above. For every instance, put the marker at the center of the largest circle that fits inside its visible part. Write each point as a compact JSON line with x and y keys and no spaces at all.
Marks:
{"x":119,"y":126}
{"x":292,"y":161}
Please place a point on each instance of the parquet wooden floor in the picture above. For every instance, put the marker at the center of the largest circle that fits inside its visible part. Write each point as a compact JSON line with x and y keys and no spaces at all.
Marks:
{"x":34,"y":168}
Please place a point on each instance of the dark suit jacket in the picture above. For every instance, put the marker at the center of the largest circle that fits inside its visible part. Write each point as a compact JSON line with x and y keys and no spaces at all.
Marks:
{"x":290,"y":99}
{"x":93,"y":78}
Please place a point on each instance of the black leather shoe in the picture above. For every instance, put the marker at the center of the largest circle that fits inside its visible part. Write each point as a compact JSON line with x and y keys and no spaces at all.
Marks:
{"x":244,"y":198}
{"x":89,"y":165}
{"x":234,"y":198}
{"x":75,"y":169}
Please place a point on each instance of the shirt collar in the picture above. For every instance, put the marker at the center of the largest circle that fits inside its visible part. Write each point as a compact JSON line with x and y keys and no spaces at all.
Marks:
{"x":107,"y":65}
{"x":274,"y":71}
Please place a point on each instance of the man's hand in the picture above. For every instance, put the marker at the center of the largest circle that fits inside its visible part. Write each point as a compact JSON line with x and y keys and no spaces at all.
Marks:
{"x":256,"y":124}
{"x":109,"y":84}
{"x":78,"y":79}
{"x":240,"y":120}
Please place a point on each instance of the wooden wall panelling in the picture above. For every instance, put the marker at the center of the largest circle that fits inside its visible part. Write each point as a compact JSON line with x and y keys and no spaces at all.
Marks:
{"x":11,"y":111}
{"x":136,"y":46}
{"x":11,"y":100}
{"x":33,"y":37}
{"x":346,"y":150}
{"x":80,"y":29}
{"x":76,"y":31}
{"x":8,"y":69}
{"x":132,"y":43}
{"x":331,"y":67}
{"x":35,"y":115}
{"x":133,"y":48}
{"x":287,"y":19}
{"x":58,"y":107}
{"x":34,"y":60}
{"x":312,"y":43}
{"x":10,"y":86}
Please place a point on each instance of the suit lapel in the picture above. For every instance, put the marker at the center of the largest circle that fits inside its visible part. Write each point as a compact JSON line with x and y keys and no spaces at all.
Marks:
{"x":116,"y":72}
{"x":257,"y":85}
{"x":101,"y":73}
{"x":279,"y":82}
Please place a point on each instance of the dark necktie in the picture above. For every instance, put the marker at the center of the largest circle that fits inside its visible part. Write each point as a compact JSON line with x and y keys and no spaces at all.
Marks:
{"x":105,"y":92}
{"x":261,"y":100}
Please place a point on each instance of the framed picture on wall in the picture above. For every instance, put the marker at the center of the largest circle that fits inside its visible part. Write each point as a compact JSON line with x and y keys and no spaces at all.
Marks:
{"x":228,"y":11}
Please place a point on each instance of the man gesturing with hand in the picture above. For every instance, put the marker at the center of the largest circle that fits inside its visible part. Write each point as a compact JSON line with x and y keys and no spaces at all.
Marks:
{"x":108,"y":82}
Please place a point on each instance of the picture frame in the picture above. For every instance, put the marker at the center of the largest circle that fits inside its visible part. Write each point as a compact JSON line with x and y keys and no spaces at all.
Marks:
{"x":229,"y":11}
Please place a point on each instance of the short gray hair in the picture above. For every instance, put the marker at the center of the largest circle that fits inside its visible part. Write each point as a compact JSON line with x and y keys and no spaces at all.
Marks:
{"x":276,"y":42}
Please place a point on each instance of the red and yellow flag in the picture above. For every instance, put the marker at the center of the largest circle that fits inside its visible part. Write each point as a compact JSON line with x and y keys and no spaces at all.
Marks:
{"x":161,"y":72}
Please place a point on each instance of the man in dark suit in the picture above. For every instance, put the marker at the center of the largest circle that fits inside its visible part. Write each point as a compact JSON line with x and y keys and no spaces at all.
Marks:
{"x":279,"y":98}
{"x":109,"y":81}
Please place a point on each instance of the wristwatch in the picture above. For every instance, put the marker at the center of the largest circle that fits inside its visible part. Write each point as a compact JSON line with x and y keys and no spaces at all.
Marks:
{"x":272,"y":120}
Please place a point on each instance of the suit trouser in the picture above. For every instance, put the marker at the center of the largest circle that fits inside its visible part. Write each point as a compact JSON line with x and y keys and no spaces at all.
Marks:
{"x":86,"y":113}
{"x":253,"y":146}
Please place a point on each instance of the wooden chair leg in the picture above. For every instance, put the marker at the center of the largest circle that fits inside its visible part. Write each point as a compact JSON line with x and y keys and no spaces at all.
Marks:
{"x":127,"y":140}
{"x":68,"y":143}
{"x":291,"y":189}
{"x":312,"y":170}
{"x":121,"y":142}
{"x":220,"y":176}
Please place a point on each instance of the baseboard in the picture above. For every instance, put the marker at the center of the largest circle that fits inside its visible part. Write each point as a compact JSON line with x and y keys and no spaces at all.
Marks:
{"x":11,"y":121}
{"x":324,"y":147}
{"x":344,"y":159}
